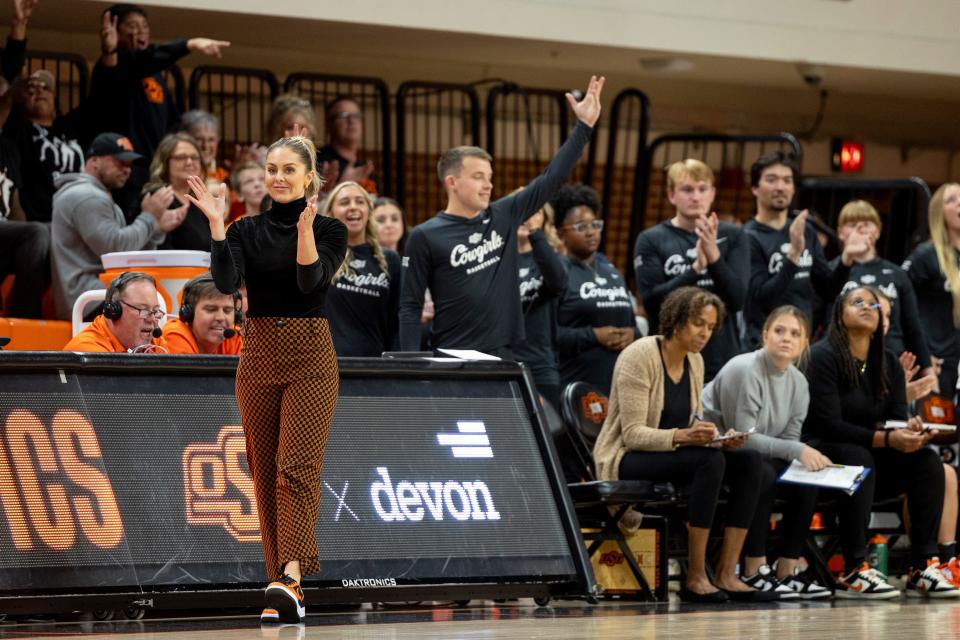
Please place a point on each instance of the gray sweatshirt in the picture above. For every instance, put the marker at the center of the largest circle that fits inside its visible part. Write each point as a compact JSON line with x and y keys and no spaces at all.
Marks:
{"x":749,"y":392}
{"x":87,"y":224}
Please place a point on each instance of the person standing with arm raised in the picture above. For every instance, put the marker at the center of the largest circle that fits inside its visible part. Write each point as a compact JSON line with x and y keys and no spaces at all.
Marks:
{"x":288,"y":377}
{"x":467,"y":254}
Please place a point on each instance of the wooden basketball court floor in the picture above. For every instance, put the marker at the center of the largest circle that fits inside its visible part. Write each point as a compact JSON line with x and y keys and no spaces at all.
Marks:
{"x":484,"y":620}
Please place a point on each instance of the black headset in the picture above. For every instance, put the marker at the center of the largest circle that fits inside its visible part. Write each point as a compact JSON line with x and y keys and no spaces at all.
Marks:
{"x":112,"y":308}
{"x":187,"y":304}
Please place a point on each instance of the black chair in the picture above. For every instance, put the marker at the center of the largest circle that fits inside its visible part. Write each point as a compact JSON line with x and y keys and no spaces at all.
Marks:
{"x":601,"y":504}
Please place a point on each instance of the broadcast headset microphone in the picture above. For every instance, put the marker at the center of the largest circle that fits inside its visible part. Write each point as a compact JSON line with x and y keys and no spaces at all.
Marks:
{"x":229,"y":333}
{"x":157,"y":332}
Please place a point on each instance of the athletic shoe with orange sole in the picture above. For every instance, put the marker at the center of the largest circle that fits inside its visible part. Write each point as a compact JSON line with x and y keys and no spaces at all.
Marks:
{"x":951,"y":571}
{"x":864,"y":584}
{"x":286,"y":597}
{"x":269,"y":615}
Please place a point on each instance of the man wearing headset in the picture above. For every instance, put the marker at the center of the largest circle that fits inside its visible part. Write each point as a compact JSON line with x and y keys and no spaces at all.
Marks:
{"x":130,"y":321}
{"x":206,"y":322}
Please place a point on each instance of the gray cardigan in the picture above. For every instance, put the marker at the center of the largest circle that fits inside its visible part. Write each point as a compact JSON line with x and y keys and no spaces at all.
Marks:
{"x":749,"y":392}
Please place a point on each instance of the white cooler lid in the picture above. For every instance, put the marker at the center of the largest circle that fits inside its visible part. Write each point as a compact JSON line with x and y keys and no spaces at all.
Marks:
{"x":125,"y":259}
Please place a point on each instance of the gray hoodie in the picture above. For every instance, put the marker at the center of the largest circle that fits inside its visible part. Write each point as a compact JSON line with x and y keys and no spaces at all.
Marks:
{"x":87,"y":224}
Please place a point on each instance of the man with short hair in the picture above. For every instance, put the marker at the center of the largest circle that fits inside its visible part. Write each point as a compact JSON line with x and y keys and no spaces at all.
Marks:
{"x":206,"y":321}
{"x":47,"y":146}
{"x":130,"y":320}
{"x":694,"y":249}
{"x":339,"y":160}
{"x":128,"y":93}
{"x":87,"y":223}
{"x":467,"y":253}
{"x":787,"y":264}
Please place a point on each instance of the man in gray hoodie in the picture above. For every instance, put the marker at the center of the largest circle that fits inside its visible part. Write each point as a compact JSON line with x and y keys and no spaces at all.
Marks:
{"x":87,"y":223}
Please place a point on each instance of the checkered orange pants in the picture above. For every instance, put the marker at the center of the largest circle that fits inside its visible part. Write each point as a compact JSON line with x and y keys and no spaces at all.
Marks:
{"x":287,"y":385}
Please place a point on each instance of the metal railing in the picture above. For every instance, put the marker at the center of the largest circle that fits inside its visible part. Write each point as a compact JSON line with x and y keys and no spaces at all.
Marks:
{"x":901,"y":202}
{"x":240,"y":97}
{"x":431,"y":118}
{"x":70,"y":72}
{"x":373,"y":98}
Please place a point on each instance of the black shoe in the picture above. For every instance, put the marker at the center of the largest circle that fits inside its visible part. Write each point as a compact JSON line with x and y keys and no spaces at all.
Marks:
{"x":752,"y":596}
{"x":716,"y":597}
{"x":286,"y":597}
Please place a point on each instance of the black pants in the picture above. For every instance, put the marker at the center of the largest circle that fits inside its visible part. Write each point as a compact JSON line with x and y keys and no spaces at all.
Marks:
{"x":918,"y":474}
{"x":800,"y":504}
{"x":25,"y":252}
{"x":703,"y":471}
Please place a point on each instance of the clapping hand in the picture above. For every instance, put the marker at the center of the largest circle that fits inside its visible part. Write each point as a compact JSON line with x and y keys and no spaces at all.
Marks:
{"x":706,"y":231}
{"x":588,"y":109}
{"x":798,"y":240}
{"x":108,"y":33}
{"x":857,"y":246}
{"x":305,"y":223}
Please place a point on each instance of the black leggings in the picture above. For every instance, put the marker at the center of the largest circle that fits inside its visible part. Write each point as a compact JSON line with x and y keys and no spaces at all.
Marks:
{"x":800,"y":504}
{"x":918,"y":474}
{"x":703,"y":471}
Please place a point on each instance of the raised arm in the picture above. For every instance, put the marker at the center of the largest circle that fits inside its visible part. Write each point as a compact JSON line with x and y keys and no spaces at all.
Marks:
{"x":227,"y":261}
{"x":318,"y":257}
{"x":531,"y":199}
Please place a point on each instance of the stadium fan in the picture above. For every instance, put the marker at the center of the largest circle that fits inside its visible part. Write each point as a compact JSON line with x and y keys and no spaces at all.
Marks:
{"x":595,"y":315}
{"x":87,"y":223}
{"x":128,"y":93}
{"x":207,"y":320}
{"x":249,"y":191}
{"x":129,"y":322}
{"x":695,"y":248}
{"x":177,"y":158}
{"x":204,"y":127}
{"x":653,"y":431}
{"x":364,"y":296}
{"x":340,"y":160}
{"x":467,"y":253}
{"x":290,"y":113}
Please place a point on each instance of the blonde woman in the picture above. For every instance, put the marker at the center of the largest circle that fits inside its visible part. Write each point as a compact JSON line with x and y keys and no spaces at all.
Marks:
{"x":935,"y":274}
{"x":764,"y":391}
{"x":363,"y":300}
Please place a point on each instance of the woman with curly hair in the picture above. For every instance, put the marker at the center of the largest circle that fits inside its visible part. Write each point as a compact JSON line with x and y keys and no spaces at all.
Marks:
{"x":653,"y":431}
{"x":364,"y":298}
{"x":856,"y":386}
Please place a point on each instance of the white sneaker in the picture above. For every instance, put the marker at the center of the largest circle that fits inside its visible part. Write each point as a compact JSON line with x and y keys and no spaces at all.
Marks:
{"x":766,"y":580}
{"x":805,"y":587}
{"x":931,"y":583}
{"x":865,"y":584}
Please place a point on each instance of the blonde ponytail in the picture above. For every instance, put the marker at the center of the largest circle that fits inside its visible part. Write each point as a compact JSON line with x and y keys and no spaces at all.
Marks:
{"x":946,"y":254}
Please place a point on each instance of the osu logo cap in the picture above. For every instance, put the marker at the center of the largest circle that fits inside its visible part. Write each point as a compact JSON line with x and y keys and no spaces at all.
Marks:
{"x":113,"y":144}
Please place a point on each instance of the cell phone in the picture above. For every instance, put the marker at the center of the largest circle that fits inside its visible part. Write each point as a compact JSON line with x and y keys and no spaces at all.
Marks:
{"x":734,"y":435}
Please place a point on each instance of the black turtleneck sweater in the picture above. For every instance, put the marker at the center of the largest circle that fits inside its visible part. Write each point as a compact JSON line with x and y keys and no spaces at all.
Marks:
{"x":261,"y":251}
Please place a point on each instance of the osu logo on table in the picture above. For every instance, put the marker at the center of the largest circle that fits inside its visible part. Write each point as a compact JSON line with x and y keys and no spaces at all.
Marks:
{"x":52,"y":486}
{"x":218,"y":489}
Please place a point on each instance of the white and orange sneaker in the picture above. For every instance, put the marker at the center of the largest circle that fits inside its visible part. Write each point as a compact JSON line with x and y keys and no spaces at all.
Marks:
{"x":865,"y":583}
{"x":951,"y":571}
{"x":931,"y":583}
{"x":269,"y":615}
{"x":286,"y":598}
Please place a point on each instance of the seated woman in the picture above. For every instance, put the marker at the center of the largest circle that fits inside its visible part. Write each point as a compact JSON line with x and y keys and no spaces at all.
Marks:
{"x":855,"y":386}
{"x":653,"y":432}
{"x":764,"y":390}
{"x":595,"y":320}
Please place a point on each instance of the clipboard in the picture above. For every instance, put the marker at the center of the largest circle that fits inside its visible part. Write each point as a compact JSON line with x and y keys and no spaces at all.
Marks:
{"x":842,"y":477}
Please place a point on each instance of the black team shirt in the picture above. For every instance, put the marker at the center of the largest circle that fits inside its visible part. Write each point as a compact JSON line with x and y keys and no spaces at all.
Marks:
{"x":775,"y":280}
{"x":362,"y":307}
{"x":906,"y":333}
{"x":261,"y":251}
{"x":542,"y":282}
{"x":934,"y":302}
{"x":470,"y":265}
{"x":596,"y":296}
{"x":663,"y":260}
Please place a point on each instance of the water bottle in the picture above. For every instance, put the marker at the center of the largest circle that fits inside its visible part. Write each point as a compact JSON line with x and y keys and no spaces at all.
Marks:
{"x":878,"y":554}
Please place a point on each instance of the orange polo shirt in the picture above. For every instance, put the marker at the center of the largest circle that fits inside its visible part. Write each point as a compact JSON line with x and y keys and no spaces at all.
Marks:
{"x":180,"y":339}
{"x":97,"y":338}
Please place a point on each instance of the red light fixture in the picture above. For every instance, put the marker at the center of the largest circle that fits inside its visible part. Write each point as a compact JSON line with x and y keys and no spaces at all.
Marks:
{"x":847,"y":156}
